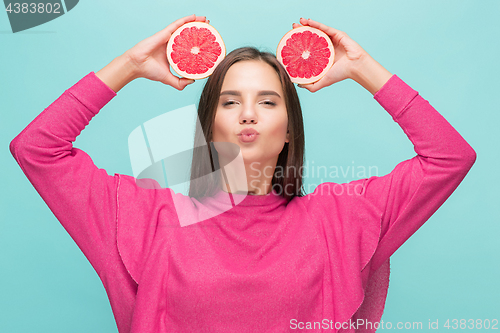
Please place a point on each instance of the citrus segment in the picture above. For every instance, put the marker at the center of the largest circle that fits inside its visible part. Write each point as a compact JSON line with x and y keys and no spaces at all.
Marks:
{"x":195,"y":49}
{"x":306,"y":53}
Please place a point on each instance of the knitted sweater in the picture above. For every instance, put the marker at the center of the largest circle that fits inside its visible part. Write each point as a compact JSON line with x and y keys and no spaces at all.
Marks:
{"x":319,"y":263}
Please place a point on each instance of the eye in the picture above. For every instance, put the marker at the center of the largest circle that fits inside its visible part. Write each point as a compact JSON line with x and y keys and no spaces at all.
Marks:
{"x":270,"y":103}
{"x":227,"y":103}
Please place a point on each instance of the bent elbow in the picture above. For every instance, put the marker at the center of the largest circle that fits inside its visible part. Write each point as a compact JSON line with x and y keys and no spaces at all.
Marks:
{"x":14,"y":146}
{"x":469,"y":157}
{"x":26,"y":146}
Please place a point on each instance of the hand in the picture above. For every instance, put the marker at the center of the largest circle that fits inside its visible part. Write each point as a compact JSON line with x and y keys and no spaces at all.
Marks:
{"x":348,"y":55}
{"x":149,"y":56}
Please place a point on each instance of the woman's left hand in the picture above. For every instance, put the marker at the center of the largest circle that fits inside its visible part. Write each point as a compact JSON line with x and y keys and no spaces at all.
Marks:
{"x":348,"y":56}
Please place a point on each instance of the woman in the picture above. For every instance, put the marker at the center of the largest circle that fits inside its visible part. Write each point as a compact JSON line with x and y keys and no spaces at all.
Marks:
{"x":225,"y":261}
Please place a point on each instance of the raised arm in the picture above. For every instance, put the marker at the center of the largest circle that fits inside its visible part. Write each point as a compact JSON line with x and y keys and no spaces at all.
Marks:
{"x":82,"y":196}
{"x":416,"y":188}
{"x":401,"y":201}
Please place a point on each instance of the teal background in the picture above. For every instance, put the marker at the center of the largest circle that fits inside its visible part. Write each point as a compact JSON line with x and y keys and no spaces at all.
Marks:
{"x":446,"y":50}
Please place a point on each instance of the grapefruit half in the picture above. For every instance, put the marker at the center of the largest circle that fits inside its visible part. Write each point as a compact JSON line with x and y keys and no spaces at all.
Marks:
{"x":306,"y":53}
{"x":195,"y":49}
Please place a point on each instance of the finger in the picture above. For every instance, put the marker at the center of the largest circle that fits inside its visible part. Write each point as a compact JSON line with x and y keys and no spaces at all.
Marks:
{"x":335,"y":34}
{"x":201,"y":19}
{"x":296,"y":25}
{"x":163,"y":36}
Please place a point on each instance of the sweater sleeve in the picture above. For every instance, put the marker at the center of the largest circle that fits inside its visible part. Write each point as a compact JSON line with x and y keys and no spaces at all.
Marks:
{"x":409,"y":195}
{"x":375,"y":216}
{"x":81,"y":196}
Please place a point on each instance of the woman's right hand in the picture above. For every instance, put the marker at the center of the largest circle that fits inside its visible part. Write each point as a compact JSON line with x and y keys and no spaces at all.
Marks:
{"x":348,"y":56}
{"x":149,"y":56}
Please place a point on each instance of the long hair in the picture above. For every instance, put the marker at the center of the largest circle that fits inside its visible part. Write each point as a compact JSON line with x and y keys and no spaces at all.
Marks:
{"x":204,"y":180}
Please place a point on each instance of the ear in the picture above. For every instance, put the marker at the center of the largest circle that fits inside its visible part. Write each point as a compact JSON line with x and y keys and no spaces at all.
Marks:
{"x":287,"y":136}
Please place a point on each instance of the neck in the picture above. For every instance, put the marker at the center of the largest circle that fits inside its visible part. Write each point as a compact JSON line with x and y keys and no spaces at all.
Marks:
{"x":254,"y":179}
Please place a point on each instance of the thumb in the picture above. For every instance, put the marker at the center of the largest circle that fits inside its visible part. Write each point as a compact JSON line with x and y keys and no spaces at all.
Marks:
{"x":180,"y":82}
{"x":176,"y":82}
{"x":183,"y":82}
{"x":315,"y":86}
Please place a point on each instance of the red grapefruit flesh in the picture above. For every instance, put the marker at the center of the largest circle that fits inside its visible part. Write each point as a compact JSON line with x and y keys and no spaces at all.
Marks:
{"x":195,"y":49}
{"x":306,"y":53}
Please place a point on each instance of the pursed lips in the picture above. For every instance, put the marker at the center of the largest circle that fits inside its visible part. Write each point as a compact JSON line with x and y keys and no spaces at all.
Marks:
{"x":248,"y":131}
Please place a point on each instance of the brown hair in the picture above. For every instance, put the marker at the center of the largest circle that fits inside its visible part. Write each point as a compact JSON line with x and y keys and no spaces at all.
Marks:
{"x":292,"y":155}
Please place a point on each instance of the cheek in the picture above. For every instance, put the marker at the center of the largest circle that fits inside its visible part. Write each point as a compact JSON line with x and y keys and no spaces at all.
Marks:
{"x":220,"y":128}
{"x":281,"y":126}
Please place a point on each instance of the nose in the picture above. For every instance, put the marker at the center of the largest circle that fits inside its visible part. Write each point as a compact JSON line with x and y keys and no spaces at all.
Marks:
{"x":248,"y":115}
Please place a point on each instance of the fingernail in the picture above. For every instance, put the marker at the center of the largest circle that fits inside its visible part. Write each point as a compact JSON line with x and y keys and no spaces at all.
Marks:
{"x":300,"y":86}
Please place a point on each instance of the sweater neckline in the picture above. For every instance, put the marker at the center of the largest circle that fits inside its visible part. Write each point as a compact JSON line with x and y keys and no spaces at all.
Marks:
{"x":234,"y":199}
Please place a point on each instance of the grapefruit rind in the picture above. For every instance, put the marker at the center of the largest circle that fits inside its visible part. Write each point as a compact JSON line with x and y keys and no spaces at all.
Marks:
{"x":171,"y":43}
{"x":321,"y":34}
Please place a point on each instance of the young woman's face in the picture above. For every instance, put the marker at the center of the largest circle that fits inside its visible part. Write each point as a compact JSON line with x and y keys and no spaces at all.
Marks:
{"x":252,"y":97}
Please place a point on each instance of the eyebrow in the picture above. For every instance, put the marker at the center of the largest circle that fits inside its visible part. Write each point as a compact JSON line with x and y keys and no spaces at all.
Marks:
{"x":260,"y":93}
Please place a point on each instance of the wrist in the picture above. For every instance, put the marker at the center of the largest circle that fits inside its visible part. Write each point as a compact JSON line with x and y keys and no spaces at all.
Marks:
{"x":370,"y":74}
{"x":118,"y":73}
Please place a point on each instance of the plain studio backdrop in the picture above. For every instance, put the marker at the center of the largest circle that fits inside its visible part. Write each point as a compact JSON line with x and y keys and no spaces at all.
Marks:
{"x":446,"y":50}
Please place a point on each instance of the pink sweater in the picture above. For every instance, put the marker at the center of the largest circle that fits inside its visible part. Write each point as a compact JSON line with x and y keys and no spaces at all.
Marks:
{"x":319,"y":262}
